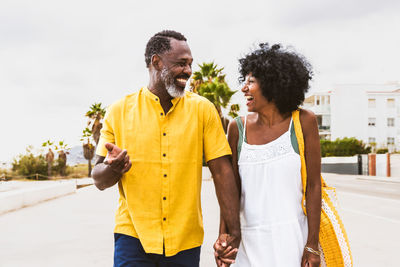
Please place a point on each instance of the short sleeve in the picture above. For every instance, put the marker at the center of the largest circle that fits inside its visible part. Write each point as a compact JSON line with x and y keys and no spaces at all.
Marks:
{"x":215,"y":143}
{"x":106,"y":133}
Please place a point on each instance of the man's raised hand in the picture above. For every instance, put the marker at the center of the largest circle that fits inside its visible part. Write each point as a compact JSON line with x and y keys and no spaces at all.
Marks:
{"x":117,"y":159}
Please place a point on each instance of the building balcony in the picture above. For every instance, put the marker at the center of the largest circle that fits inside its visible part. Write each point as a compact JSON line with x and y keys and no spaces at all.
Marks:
{"x":324,"y":128}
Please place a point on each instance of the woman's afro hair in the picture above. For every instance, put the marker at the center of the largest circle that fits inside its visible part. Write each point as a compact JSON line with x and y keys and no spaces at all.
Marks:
{"x":283,"y":75}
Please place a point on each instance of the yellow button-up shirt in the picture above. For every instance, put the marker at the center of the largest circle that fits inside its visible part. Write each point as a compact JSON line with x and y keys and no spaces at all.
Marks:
{"x":160,"y":195}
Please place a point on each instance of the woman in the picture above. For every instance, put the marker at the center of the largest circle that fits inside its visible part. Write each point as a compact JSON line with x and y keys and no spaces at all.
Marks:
{"x":275,"y":231}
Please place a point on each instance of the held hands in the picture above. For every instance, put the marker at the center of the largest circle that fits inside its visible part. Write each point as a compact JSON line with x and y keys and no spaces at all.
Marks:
{"x":117,"y":159}
{"x":310,"y":259}
{"x":225,"y":250}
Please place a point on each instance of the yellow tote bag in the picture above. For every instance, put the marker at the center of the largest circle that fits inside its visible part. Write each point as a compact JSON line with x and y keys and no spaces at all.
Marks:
{"x":333,"y":241}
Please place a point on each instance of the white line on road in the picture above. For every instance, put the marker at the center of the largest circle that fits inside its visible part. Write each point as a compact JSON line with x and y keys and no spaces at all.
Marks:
{"x":371,"y":215}
{"x":397,"y":201}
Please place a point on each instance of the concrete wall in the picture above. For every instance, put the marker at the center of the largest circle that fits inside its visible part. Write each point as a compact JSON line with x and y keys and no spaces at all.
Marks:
{"x":340,"y":168}
{"x":349,"y":165}
{"x":395,"y":165}
{"x":341,"y":165}
{"x":381,"y":164}
{"x":19,"y":198}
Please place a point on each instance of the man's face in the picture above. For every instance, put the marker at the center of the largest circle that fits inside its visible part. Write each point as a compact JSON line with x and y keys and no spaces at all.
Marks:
{"x":177,"y":68}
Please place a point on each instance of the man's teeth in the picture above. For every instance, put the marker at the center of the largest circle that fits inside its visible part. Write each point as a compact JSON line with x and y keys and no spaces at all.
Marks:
{"x":181,"y":80}
{"x":249,"y":97}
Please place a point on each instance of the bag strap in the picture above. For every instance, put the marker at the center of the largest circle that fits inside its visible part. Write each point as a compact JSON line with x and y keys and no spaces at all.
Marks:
{"x":239,"y":124}
{"x":300,"y":140}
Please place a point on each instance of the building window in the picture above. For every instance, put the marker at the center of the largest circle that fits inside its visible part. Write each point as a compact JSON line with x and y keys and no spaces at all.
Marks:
{"x":390,"y":122}
{"x":318,"y":102}
{"x":371,"y":102}
{"x":371,"y":140}
{"x":371,"y":121}
{"x":390,"y":103}
{"x":390,"y":140}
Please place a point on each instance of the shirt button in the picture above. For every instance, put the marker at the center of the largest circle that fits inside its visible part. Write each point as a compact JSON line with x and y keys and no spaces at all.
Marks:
{"x":164,"y":134}
{"x":161,"y":113}
{"x":164,"y":198}
{"x":164,"y":155}
{"x":165,"y":175}
{"x":164,"y":219}
{"x":156,"y":99}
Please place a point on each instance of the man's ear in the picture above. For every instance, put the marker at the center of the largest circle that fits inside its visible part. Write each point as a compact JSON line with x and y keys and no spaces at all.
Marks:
{"x":156,"y":62}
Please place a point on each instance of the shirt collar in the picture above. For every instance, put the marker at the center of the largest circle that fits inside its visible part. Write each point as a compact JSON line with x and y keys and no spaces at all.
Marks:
{"x":149,"y":94}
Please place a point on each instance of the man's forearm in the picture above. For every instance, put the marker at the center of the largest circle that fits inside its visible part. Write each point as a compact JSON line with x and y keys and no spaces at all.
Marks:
{"x":228,"y":198}
{"x":104,"y":177}
{"x":222,"y":225}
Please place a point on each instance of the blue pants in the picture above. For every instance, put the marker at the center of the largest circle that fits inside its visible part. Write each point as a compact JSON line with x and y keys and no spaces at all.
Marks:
{"x":128,"y":252}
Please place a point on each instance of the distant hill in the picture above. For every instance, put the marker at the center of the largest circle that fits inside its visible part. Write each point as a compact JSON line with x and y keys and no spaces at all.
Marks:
{"x":76,"y":156}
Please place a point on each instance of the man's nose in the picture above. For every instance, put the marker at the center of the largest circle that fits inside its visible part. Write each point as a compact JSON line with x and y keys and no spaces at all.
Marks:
{"x":187,"y":70}
{"x":245,"y":88}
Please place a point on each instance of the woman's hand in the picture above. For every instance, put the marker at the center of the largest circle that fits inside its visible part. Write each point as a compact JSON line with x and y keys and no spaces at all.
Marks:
{"x":224,"y":254}
{"x":310,"y":260}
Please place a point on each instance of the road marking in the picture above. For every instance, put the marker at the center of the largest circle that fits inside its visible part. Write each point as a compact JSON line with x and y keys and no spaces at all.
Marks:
{"x":371,"y":215}
{"x":369,"y":197}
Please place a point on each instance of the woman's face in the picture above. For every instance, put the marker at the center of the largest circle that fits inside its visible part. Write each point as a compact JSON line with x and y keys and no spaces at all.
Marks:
{"x":255,"y":100}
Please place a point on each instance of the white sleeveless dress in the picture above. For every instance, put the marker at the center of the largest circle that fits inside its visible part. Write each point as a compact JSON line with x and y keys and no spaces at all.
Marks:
{"x":274,"y":227}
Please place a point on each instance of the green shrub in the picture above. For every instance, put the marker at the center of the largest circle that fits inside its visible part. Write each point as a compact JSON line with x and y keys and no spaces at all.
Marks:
{"x":382,"y":151}
{"x":29,"y":165}
{"x":343,"y":147}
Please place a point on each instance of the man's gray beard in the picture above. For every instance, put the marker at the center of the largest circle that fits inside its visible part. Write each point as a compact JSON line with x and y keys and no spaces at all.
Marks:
{"x":170,"y":84}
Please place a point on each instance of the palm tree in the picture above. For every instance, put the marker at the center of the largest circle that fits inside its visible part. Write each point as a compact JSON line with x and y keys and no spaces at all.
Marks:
{"x":88,"y":148}
{"x":210,"y":82}
{"x":95,"y":115}
{"x":62,"y":148}
{"x":49,"y":156}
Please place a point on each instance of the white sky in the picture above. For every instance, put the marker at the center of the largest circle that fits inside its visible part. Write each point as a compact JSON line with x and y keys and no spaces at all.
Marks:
{"x":59,"y":57}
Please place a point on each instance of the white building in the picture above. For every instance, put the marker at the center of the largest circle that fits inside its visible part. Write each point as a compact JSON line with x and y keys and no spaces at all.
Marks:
{"x":370,"y":113}
{"x":320,"y":104}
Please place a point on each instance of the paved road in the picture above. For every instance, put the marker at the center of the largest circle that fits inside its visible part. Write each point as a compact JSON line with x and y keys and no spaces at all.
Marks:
{"x":371,"y":214}
{"x":76,"y":230}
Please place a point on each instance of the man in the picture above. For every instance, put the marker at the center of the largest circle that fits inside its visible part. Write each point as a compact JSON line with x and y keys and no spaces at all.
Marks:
{"x":152,"y":144}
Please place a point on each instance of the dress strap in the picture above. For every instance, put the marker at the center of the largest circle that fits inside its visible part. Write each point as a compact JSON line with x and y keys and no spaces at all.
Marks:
{"x":291,"y":122}
{"x":241,"y":138}
{"x":293,"y":138}
{"x":244,"y":129}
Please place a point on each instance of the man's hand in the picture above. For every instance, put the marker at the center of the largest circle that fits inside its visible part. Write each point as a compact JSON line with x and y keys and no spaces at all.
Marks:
{"x":108,"y":171}
{"x":117,"y":159}
{"x":226,"y":248}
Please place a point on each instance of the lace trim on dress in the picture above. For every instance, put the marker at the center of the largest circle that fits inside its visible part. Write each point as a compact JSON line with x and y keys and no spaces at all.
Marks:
{"x":270,"y":151}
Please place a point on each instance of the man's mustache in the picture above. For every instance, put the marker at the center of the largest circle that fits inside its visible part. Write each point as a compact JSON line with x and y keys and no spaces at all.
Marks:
{"x":183,"y":77}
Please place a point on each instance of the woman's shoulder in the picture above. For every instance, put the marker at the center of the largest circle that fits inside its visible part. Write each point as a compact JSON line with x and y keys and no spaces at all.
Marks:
{"x":307,"y":115}
{"x":234,"y":125}
{"x":308,"y":120}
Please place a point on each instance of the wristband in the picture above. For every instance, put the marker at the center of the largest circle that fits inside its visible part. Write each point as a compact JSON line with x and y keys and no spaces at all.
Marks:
{"x":317,"y":253}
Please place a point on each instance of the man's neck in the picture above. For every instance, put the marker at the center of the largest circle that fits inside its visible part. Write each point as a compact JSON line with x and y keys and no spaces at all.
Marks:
{"x":160,"y":91}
